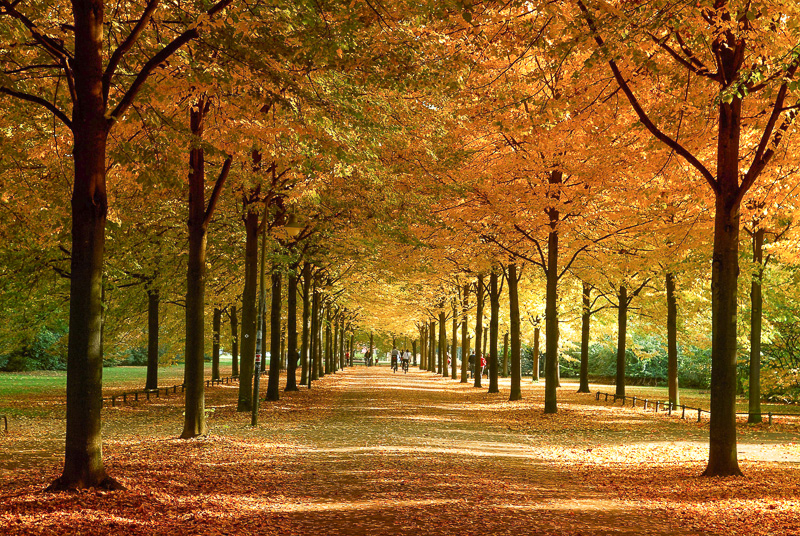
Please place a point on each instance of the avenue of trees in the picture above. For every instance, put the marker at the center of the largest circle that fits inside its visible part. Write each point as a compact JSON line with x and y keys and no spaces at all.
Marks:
{"x":613,"y":182}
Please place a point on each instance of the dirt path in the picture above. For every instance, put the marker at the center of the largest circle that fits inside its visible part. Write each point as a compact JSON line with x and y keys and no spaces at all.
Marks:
{"x":399,"y":455}
{"x":367,"y":451}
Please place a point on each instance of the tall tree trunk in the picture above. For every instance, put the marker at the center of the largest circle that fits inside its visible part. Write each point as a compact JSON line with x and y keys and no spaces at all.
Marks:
{"x":423,"y":341}
{"x":494,"y":330}
{"x":672,"y":341}
{"x":273,"y":383}
{"x":83,"y":462}
{"x":194,"y":423}
{"x":464,"y":335}
{"x":153,"y":300}
{"x":756,"y":307}
{"x":291,"y":333}
{"x":478,"y":330}
{"x":443,"y":371}
{"x":454,"y":344}
{"x":516,"y":354}
{"x":586,"y":318}
{"x":328,"y":341}
{"x":335,"y":346}
{"x":505,"y":355}
{"x":433,"y":346}
{"x":371,"y":345}
{"x":234,"y":342}
{"x":314,"y":345}
{"x":306,"y":335}
{"x":536,"y":365}
{"x":249,"y":311}
{"x":216,"y":326}
{"x":622,"y":334}
{"x":551,"y":305}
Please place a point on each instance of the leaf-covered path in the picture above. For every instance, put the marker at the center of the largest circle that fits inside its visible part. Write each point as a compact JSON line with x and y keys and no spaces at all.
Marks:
{"x":367,"y":451}
{"x":399,"y":454}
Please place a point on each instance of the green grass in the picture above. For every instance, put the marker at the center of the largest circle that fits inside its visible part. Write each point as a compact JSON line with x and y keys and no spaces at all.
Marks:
{"x":54,"y":383}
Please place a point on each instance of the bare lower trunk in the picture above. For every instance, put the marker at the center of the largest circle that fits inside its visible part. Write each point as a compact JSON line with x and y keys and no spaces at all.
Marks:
{"x":536,"y":365}
{"x":478,"y":331}
{"x":622,"y":333}
{"x":586,"y":318}
{"x":443,"y":346}
{"x":291,"y":333}
{"x":216,"y":326}
{"x":249,"y":312}
{"x":494,"y":331}
{"x":722,"y":456}
{"x":273,"y":387}
{"x":153,"y":299}
{"x":516,"y":355}
{"x":464,"y":336}
{"x":306,"y":335}
{"x":672,"y":341}
{"x":234,"y":341}
{"x":454,"y":345}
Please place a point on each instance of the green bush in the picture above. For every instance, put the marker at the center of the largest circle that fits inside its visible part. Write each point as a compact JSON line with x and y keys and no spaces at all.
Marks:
{"x":46,"y":350}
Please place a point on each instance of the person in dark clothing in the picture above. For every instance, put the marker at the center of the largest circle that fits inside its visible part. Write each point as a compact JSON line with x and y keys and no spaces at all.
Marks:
{"x":472,"y":364}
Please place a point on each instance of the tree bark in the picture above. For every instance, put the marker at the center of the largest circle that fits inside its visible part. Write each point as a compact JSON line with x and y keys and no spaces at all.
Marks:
{"x":551,"y":305}
{"x":153,"y":299}
{"x":536,"y":364}
{"x":505,"y":355}
{"x":622,"y":334}
{"x":291,"y":333}
{"x":516,"y":355}
{"x":216,"y":326}
{"x":314,"y":345}
{"x":306,"y":335}
{"x":672,"y":341}
{"x":83,"y":461}
{"x":249,"y":311}
{"x":443,"y":371}
{"x":586,"y":318}
{"x":432,"y":356}
{"x":464,"y":335}
{"x":722,"y":456}
{"x":454,"y":344}
{"x":273,"y":383}
{"x":756,"y":308}
{"x":234,"y":342}
{"x":494,"y":330}
{"x":478,"y":331}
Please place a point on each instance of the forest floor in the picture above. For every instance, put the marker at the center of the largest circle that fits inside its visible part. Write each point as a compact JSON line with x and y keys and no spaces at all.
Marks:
{"x":367,"y":451}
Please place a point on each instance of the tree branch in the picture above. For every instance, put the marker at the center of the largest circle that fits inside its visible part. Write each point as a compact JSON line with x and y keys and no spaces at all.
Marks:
{"x":41,"y":102}
{"x":643,"y":117}
{"x":212,"y":202}
{"x":129,"y":41}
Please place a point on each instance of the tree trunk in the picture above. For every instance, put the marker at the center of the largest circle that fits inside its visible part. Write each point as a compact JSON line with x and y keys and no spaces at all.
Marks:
{"x":722,"y":458}
{"x":494,"y":330}
{"x":306,"y":335}
{"x":478,"y":331}
{"x":586,"y":318}
{"x":314,"y":345}
{"x":756,"y":307}
{"x":153,"y":299}
{"x":370,"y":347}
{"x":516,"y":354}
{"x":249,"y":312}
{"x":83,"y":462}
{"x":423,"y":341}
{"x":464,"y":336}
{"x":335,"y":346}
{"x":505,"y":355}
{"x":622,"y":334}
{"x":273,"y":383}
{"x":672,"y":341}
{"x":194,"y":423}
{"x":432,"y":356}
{"x":443,"y":371}
{"x":234,"y":342}
{"x":216,"y":326}
{"x":536,"y":364}
{"x":291,"y":333}
{"x":328,"y":342}
{"x":454,"y":344}
{"x":551,"y":305}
